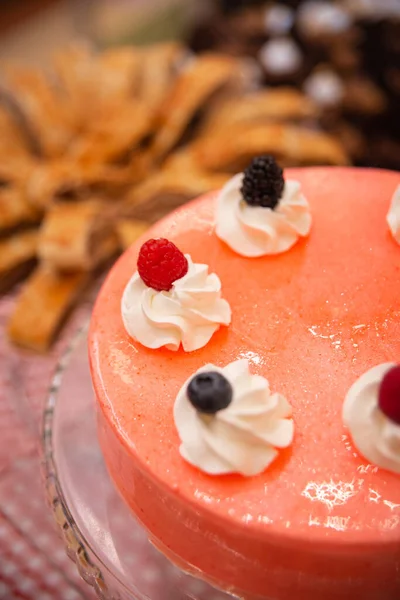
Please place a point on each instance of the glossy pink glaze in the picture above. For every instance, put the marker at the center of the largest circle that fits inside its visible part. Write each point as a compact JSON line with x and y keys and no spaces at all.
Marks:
{"x":321,"y":523}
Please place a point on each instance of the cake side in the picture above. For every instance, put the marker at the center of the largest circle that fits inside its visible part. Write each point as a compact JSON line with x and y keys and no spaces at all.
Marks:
{"x":311,"y":321}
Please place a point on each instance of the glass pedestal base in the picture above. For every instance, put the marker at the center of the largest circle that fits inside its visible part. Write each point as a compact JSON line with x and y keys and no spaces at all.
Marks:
{"x":109,"y":547}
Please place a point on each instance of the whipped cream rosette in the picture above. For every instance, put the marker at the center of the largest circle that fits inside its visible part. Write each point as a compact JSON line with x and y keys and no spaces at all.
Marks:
{"x":172,"y":301}
{"x":259,"y":213}
{"x":371,"y":411}
{"x":393,"y":216}
{"x":229,"y":421}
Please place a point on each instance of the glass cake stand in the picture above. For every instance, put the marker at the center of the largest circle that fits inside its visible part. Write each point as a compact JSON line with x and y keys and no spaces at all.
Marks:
{"x":110,"y":548}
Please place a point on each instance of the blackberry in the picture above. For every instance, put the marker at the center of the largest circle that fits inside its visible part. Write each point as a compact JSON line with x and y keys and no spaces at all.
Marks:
{"x":263,"y":182}
{"x":209,"y":392}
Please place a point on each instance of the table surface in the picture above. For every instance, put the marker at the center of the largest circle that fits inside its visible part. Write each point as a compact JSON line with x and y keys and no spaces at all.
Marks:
{"x":33,"y":562}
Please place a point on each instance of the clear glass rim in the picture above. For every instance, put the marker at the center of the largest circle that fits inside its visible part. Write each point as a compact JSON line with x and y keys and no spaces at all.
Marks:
{"x":77,"y":545}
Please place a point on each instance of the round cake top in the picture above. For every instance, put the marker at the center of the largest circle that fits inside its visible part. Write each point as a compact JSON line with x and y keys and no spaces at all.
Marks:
{"x":310,"y":320}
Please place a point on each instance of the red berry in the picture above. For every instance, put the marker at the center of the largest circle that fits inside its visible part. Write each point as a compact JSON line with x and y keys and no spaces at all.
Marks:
{"x":389,"y":394}
{"x":160,"y":263}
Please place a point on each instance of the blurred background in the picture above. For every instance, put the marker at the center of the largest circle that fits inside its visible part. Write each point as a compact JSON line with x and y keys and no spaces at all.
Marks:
{"x":345,"y":54}
{"x":33,"y":30}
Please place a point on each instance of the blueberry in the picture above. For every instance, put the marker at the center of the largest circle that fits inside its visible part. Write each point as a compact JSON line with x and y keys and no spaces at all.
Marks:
{"x":209,"y":392}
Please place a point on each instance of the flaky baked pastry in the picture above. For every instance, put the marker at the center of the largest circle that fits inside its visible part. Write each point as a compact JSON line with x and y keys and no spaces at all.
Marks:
{"x":161,"y":63}
{"x":129,"y":230}
{"x":108,"y":142}
{"x":15,"y":210}
{"x":280,"y":104}
{"x":14,"y":146}
{"x":291,"y":144}
{"x":51,"y":181}
{"x":44,"y":108}
{"x":179,"y":180}
{"x":93,"y":81}
{"x":43,"y":305}
{"x":118,"y":130}
{"x":206,"y":78}
{"x":18,"y":254}
{"x":77,"y":236}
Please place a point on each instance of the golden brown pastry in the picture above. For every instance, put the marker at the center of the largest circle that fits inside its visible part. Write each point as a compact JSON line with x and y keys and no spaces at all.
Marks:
{"x":92,"y":81}
{"x":15,"y":210}
{"x":179,"y":181}
{"x":15,"y":173}
{"x":14,"y":148}
{"x":129,"y":230}
{"x":120,"y":73}
{"x":111,"y":141}
{"x":42,"y":307}
{"x":74,"y":179}
{"x":45,"y":110}
{"x":119,"y":129}
{"x":292,"y":145}
{"x":77,"y":236}
{"x":102,"y":90}
{"x":78,"y":78}
{"x":183,"y":165}
{"x":17,"y":257}
{"x":160,"y":66}
{"x":206,"y":78}
{"x":280,"y":104}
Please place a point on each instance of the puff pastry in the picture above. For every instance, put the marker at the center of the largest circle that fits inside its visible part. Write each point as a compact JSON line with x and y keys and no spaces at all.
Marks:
{"x":160,"y":65}
{"x":119,"y":129}
{"x":75,"y":74}
{"x":42,"y":307}
{"x":122,"y":111}
{"x":97,"y":80}
{"x":280,"y":104}
{"x":129,"y":230}
{"x":292,"y":145}
{"x":15,"y":210}
{"x":179,"y":181}
{"x":110,"y":142}
{"x":15,"y":173}
{"x":17,"y":257}
{"x":74,"y":179}
{"x":77,"y":236}
{"x":203,"y":80}
{"x":45,"y":111}
{"x":120,"y":72}
{"x":13,"y":143}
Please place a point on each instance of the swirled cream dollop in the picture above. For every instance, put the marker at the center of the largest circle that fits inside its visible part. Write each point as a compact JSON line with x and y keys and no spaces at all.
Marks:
{"x":242,"y":438}
{"x":374,"y":435}
{"x":188,"y":314}
{"x":393,"y":216}
{"x":256,"y":231}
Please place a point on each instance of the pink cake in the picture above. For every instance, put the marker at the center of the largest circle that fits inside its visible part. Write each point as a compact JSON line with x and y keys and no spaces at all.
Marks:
{"x":321,"y":522}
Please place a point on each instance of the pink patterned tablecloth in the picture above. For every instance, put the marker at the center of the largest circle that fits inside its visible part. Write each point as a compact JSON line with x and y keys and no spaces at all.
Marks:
{"x":33,"y":562}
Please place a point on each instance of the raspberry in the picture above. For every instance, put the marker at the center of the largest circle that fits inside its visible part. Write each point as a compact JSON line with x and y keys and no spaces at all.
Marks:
{"x":389,"y":394}
{"x":160,"y":263}
{"x":263,"y":182}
